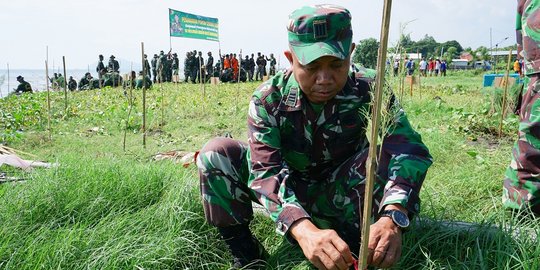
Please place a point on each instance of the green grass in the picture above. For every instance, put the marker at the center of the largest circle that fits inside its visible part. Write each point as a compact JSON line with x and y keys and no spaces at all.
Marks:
{"x":106,"y":208}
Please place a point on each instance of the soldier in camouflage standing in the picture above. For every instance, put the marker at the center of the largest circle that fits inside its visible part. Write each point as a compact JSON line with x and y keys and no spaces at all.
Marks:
{"x":187,"y":67}
{"x":147,"y":67}
{"x":100,"y":69}
{"x":154,"y":67}
{"x":210,"y":65}
{"x":273,"y":63}
{"x":306,"y":155}
{"x":251,"y":67}
{"x":161,"y":66}
{"x":261,"y":66}
{"x":521,"y":188}
{"x":175,"y":66}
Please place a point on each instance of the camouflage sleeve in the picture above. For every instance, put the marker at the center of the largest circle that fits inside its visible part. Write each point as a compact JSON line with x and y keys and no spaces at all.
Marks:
{"x":409,"y":162}
{"x":528,"y":34}
{"x":269,"y":174}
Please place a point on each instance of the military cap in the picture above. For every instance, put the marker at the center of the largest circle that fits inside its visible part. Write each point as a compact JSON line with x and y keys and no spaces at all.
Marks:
{"x":320,"y":30}
{"x":20,"y":77}
{"x":112,"y":56}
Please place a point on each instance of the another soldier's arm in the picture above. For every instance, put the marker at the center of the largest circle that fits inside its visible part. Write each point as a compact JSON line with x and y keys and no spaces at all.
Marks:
{"x":409,"y":162}
{"x":269,"y":174}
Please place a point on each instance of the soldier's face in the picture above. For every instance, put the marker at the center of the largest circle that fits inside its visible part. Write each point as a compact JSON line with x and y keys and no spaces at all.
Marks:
{"x":321,"y":79}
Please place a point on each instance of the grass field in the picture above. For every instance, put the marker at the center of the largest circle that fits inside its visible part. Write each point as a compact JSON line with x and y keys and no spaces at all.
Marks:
{"x":106,"y":208}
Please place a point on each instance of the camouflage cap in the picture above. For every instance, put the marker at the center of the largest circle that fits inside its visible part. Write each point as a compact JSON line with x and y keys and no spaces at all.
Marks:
{"x":320,"y":30}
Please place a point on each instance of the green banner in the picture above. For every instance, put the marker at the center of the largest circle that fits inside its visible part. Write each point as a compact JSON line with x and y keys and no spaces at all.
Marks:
{"x":187,"y":25}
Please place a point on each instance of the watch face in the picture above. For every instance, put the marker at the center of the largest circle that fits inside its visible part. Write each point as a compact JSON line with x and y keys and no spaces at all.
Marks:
{"x":400,"y":219}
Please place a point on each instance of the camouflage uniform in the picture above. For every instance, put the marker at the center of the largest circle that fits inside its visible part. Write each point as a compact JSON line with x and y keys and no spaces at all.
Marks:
{"x":308,"y":161}
{"x":521,"y":188}
{"x":142,"y":81}
{"x":23,"y":87}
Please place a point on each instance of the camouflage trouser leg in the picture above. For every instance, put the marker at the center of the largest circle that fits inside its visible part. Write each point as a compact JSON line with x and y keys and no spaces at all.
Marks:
{"x":223,"y":175}
{"x":521,"y":188}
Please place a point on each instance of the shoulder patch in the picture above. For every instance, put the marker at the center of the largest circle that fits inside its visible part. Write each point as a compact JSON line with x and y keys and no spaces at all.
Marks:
{"x":292,"y":97}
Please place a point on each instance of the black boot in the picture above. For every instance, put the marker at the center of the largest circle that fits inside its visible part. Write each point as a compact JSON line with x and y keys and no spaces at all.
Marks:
{"x":247,"y":251}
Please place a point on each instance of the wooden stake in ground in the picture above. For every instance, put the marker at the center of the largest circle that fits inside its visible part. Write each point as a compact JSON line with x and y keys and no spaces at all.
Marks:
{"x":503,"y":109}
{"x":372,"y":156}
{"x":48,"y":100}
{"x":162,"y":123}
{"x":144,"y":104}
{"x":419,"y":74}
{"x":65,"y":86}
{"x":130,"y":104}
{"x":412,"y":84}
{"x":201,"y":78}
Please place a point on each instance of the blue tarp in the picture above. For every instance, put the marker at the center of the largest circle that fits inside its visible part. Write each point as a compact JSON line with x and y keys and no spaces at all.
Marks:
{"x":490,"y":78}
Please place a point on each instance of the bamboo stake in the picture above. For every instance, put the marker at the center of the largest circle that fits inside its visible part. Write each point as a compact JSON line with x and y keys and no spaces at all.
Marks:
{"x":65,"y":86}
{"x":161,"y":91}
{"x":130,"y":104}
{"x":48,"y":100}
{"x":412,"y":82}
{"x":372,"y":156}
{"x":201,"y":78}
{"x":419,"y":74}
{"x":144,"y":104}
{"x":503,"y":110}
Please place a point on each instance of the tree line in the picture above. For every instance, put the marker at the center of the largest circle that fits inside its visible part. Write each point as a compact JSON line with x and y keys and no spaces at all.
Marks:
{"x":428,"y":47}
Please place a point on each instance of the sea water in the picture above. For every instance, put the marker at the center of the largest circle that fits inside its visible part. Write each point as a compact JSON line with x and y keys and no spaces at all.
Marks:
{"x":35,"y":77}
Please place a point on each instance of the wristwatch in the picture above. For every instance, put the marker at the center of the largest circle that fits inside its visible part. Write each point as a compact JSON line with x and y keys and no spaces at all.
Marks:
{"x":399,"y":218}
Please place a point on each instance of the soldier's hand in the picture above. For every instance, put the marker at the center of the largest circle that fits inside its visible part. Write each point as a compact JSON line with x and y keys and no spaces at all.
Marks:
{"x":323,"y":248}
{"x":384,"y":242}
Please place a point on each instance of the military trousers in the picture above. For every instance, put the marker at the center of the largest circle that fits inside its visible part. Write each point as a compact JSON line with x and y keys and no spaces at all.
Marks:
{"x":335,"y":203}
{"x":521,"y":188}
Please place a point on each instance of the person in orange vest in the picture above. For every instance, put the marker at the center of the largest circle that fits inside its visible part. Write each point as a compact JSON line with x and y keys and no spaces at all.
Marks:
{"x":234,"y":63}
{"x":226,"y":62}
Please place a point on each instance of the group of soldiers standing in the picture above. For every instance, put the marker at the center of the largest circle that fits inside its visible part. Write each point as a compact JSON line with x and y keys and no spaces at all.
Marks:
{"x":229,"y":67}
{"x":195,"y":67}
{"x":164,"y":67}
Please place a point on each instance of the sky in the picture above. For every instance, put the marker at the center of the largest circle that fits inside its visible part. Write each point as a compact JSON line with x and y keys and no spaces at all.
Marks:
{"x":81,"y":30}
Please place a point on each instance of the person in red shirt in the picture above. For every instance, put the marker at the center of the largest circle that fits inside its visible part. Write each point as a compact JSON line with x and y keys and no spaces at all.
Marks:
{"x":431,"y":66}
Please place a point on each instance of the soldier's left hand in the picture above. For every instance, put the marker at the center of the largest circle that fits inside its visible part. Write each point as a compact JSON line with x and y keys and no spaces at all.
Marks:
{"x":384,"y":243}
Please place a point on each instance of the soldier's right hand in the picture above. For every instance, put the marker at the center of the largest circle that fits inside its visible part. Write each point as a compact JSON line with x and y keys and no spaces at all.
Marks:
{"x":323,"y":248}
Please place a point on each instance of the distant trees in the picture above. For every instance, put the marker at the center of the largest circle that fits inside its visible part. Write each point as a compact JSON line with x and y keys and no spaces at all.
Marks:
{"x":429,"y":47}
{"x":366,"y":52}
{"x":366,"y":49}
{"x":482,"y":53}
